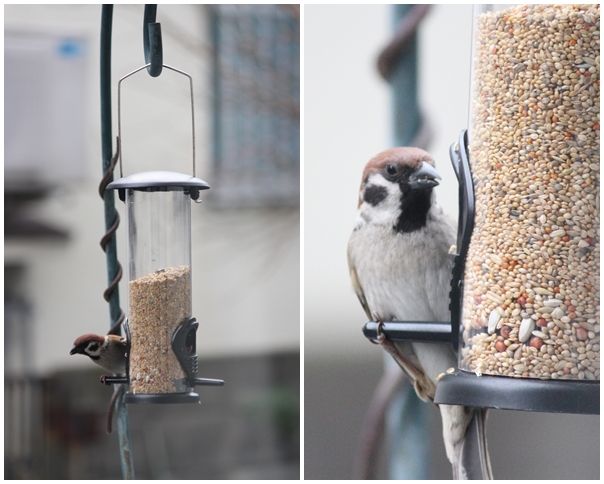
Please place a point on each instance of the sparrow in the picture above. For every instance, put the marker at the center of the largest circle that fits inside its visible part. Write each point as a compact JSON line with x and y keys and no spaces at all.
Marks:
{"x":400,"y":267}
{"x":109,"y":351}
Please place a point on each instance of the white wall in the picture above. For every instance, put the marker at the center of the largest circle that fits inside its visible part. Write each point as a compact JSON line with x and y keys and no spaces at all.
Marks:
{"x":245,"y":263}
{"x":444,"y":87}
{"x":348,"y":120}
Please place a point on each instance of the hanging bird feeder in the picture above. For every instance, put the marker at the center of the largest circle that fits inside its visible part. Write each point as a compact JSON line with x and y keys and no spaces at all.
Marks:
{"x":160,"y":328}
{"x":525,"y":289}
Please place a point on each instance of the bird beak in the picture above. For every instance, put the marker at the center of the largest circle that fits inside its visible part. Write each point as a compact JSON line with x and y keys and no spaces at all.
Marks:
{"x":74,"y":350}
{"x":424,"y":177}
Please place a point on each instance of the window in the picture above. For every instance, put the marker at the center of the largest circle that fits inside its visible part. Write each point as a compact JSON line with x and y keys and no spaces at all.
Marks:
{"x":256,"y":83}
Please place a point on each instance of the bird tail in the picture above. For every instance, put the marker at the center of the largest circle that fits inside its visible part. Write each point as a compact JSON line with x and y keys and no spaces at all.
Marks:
{"x":112,"y":403}
{"x":473,"y":460}
{"x":464,"y":432}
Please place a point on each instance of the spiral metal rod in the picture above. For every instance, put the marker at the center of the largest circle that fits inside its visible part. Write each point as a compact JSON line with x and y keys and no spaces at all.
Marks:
{"x":397,"y":55}
{"x":406,"y":31}
{"x":109,"y":238}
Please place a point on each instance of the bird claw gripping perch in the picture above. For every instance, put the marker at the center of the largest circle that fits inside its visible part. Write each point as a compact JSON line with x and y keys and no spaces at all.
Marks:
{"x":423,"y":386}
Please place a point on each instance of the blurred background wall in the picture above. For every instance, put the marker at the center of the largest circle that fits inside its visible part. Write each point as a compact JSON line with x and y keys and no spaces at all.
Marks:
{"x":245,"y":236}
{"x":348,"y":119}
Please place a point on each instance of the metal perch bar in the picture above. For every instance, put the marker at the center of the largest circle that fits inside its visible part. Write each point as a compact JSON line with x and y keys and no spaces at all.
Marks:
{"x":409,"y":331}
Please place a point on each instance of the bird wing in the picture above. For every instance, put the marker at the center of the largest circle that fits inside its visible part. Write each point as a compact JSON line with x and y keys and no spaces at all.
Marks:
{"x":405,"y":359}
{"x":358,"y":289}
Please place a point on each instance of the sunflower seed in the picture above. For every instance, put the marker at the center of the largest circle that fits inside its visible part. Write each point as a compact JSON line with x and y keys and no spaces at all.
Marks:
{"x":494,"y":318}
{"x":526,"y":327}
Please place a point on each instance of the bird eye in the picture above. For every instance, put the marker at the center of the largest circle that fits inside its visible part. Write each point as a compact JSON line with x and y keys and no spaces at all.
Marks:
{"x":391,"y":170}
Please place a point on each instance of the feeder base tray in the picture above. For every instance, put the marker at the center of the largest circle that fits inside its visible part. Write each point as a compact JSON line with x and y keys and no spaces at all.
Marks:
{"x":531,"y":395}
{"x":190,"y":397}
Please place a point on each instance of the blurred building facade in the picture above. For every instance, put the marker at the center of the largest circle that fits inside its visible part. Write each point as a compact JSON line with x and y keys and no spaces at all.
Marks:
{"x":245,"y":236}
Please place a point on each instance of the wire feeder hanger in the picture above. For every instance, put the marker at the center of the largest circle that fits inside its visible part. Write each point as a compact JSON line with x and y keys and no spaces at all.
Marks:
{"x":149,"y":66}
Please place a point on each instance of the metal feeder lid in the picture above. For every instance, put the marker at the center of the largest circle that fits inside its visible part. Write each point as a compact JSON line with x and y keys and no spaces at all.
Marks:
{"x":159,"y":181}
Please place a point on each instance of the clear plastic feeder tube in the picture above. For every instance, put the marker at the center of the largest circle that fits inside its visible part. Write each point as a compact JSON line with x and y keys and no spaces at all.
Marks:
{"x":531,"y":287}
{"x":159,"y":229}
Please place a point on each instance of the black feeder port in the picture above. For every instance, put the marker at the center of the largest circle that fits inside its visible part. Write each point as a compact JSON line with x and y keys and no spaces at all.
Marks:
{"x":467,"y":388}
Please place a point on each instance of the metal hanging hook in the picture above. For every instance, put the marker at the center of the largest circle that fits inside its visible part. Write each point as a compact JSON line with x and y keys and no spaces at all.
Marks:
{"x":119,"y":111}
{"x":152,"y":41}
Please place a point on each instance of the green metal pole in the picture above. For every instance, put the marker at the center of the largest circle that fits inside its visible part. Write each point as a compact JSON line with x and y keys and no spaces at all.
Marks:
{"x":111,"y":221}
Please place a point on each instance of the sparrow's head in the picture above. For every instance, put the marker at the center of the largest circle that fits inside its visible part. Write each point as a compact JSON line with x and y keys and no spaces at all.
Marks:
{"x":397,"y":188}
{"x":90,"y":345}
{"x":107,"y":351}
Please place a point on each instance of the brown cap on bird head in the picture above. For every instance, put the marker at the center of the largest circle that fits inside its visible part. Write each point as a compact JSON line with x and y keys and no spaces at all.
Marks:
{"x":403,"y":155}
{"x":86,"y":338}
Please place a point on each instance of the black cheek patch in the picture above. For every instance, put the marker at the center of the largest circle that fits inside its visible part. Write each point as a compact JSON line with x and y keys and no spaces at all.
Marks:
{"x":374,"y":194}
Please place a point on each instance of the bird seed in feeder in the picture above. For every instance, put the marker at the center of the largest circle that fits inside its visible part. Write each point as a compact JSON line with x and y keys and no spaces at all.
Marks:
{"x":534,"y":148}
{"x":159,"y":302}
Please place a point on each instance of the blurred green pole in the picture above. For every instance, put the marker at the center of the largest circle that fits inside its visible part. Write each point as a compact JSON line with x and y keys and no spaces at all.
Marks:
{"x":403,"y":79}
{"x":407,"y":423}
{"x":111,"y":221}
